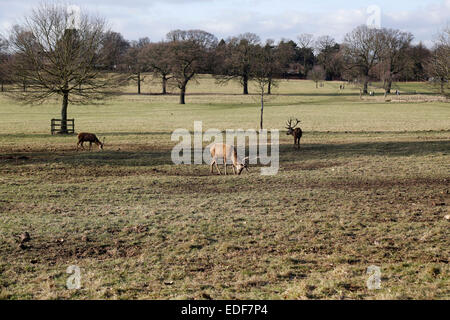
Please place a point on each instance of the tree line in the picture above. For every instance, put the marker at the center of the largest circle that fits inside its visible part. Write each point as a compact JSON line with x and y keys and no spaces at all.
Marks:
{"x":47,"y":56}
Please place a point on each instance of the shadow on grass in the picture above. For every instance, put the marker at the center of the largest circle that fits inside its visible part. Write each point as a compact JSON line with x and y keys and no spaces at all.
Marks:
{"x":138,"y":158}
{"x":74,"y":136}
{"x":300,"y":94}
{"x":48,"y":136}
{"x":346,"y":150}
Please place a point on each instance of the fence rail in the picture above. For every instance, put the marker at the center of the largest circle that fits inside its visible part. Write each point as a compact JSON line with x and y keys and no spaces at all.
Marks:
{"x":56,"y":126}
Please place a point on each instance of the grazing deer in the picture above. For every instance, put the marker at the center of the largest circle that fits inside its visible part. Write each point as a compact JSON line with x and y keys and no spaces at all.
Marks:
{"x":296,"y":132}
{"x":225,"y":152}
{"x":91,"y":138}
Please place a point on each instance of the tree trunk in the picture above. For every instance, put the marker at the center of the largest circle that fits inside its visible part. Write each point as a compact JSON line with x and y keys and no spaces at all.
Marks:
{"x":24,"y":86}
{"x":2,"y":89}
{"x":262,"y":109}
{"x":64,"y":113}
{"x":269,"y":87}
{"x":389,"y":86}
{"x":139,"y":82}
{"x":304,"y":65}
{"x":366,"y":84}
{"x":442,"y":85}
{"x":245,"y":84}
{"x":182,"y":94}
{"x":164,"y":85}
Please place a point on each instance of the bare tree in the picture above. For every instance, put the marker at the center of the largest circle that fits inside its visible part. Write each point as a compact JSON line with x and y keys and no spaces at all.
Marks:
{"x":3,"y":45}
{"x":362,"y":50}
{"x":4,"y":66}
{"x":283,"y":54}
{"x":238,"y":62}
{"x":57,"y":59}
{"x":157,"y":57}
{"x":324,"y":43}
{"x":114,"y":48}
{"x":439,"y":63}
{"x":306,"y":42}
{"x":135,"y":63}
{"x":275,"y":62}
{"x":189,"y":54}
{"x":393,"y":54}
{"x":329,"y":56}
{"x":263,"y":73}
{"x":316,"y":74}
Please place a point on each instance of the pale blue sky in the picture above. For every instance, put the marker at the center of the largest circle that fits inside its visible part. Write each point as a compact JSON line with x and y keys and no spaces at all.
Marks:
{"x":269,"y":19}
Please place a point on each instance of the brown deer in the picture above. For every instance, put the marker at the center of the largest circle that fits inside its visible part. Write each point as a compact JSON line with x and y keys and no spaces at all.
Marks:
{"x":91,"y":138}
{"x":296,"y":132}
{"x":226,"y":152}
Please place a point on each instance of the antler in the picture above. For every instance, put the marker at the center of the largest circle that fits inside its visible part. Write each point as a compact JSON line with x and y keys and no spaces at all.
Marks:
{"x":289,"y":123}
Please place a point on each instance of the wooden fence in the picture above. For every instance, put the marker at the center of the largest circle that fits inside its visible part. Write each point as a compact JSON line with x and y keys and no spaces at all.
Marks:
{"x":57,"y":123}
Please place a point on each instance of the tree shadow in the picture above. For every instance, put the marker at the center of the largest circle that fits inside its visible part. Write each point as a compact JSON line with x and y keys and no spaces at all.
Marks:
{"x":161,"y":157}
{"x":346,"y":150}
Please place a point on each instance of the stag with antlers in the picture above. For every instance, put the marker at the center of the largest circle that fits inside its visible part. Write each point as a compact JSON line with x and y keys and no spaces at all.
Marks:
{"x":296,"y":132}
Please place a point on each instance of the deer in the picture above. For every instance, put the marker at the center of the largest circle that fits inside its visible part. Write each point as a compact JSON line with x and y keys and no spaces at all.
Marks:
{"x":226,"y":152}
{"x":296,"y":132}
{"x":91,"y":138}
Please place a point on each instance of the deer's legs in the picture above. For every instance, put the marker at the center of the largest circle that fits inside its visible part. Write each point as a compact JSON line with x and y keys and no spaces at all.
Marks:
{"x":297,"y":143}
{"x":214,"y":162}
{"x":217,"y":167}
{"x":211,"y":165}
{"x":90,"y":146}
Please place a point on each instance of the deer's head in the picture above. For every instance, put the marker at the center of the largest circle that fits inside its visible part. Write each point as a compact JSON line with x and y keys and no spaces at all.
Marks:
{"x":101,"y":144}
{"x":242,"y":165}
{"x":291,"y":126}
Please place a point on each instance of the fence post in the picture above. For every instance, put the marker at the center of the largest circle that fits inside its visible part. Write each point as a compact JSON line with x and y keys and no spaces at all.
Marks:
{"x":55,"y":125}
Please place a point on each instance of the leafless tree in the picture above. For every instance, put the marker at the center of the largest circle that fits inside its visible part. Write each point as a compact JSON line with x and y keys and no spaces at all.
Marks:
{"x":56,"y":59}
{"x":263,"y":73}
{"x":393,"y":55}
{"x":438,"y":65}
{"x":306,"y":42}
{"x":157,"y":57}
{"x":4,"y":65}
{"x":283,"y":54}
{"x":274,"y":61}
{"x":135,"y":62}
{"x":190,"y":53}
{"x":238,"y":59}
{"x":329,"y":56}
{"x":323,"y":43}
{"x":316,"y":74}
{"x":114,"y":48}
{"x":362,"y":49}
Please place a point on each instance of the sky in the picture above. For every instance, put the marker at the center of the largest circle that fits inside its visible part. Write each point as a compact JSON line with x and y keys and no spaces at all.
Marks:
{"x":269,"y":19}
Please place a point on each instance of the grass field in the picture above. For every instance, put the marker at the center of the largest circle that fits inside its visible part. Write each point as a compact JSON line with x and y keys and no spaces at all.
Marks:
{"x":370,"y":186}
